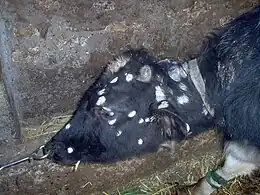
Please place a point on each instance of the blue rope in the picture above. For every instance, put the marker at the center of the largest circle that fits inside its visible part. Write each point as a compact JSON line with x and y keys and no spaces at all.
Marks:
{"x":213,"y":176}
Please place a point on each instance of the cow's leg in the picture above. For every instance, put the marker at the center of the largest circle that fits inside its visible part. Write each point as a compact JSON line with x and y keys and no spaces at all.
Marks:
{"x":240,"y":159}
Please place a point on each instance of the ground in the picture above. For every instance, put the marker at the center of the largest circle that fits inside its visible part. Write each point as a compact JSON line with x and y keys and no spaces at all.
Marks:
{"x":51,"y":51}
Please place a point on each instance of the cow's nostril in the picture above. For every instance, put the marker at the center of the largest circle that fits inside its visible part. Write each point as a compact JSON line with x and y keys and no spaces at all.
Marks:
{"x":53,"y":146}
{"x":56,"y":157}
{"x":49,"y":146}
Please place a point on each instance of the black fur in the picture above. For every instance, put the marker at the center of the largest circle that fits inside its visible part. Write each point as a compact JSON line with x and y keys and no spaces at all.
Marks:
{"x":230,"y":66}
{"x":90,"y":135}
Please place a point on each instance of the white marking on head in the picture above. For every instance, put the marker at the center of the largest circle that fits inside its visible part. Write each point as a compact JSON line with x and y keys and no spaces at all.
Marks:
{"x":187,"y":127}
{"x":152,"y":118}
{"x":70,"y":150}
{"x":118,"y":133}
{"x":159,"y":94}
{"x":145,"y":74}
{"x":132,"y":114}
{"x":114,"y":80}
{"x":111,"y":113}
{"x":183,"y":99}
{"x":101,"y":100}
{"x":116,"y":65}
{"x":128,"y":77}
{"x":147,"y":119}
{"x":141,"y":121}
{"x":67,"y":126}
{"x":163,"y":104}
{"x":111,"y":122}
{"x":140,"y":141}
{"x":101,"y":92}
{"x":107,"y":109}
{"x":183,"y":87}
{"x":177,"y":73}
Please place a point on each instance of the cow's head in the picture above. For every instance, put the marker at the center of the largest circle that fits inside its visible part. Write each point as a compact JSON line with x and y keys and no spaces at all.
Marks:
{"x":130,"y":110}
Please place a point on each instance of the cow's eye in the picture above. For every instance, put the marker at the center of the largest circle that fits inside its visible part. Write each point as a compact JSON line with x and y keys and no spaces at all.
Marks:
{"x":107,"y":113}
{"x":104,"y":112}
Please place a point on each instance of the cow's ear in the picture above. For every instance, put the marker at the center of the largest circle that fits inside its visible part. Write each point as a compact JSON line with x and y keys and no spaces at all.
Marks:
{"x":174,"y":127}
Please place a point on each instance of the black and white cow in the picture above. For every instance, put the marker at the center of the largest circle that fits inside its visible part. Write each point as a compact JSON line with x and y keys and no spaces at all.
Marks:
{"x":139,"y":105}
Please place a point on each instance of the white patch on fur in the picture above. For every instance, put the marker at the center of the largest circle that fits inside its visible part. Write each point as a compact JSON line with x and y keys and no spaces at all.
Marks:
{"x":118,"y":133}
{"x":114,"y":80}
{"x":152,"y":118}
{"x":132,"y":114}
{"x":101,"y":100}
{"x":234,"y":167}
{"x":68,"y":126}
{"x":70,"y":150}
{"x":145,"y":74}
{"x":116,"y":65}
{"x":183,"y":87}
{"x":111,"y":113}
{"x":101,"y":92}
{"x":187,"y":127}
{"x":159,"y":94}
{"x":147,"y":119}
{"x":140,"y":141}
{"x":183,"y":99}
{"x":128,"y":77}
{"x":141,"y":121}
{"x":163,"y":104}
{"x":111,"y":122}
{"x":107,"y":109}
{"x":176,"y":73}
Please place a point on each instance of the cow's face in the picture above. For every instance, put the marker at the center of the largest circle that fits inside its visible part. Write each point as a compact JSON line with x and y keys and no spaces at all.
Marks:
{"x":121,"y":115}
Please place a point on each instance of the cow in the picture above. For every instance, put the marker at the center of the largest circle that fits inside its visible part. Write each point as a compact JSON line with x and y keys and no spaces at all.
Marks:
{"x":140,"y":104}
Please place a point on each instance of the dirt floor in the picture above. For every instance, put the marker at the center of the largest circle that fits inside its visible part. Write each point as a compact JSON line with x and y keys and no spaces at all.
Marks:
{"x":134,"y":23}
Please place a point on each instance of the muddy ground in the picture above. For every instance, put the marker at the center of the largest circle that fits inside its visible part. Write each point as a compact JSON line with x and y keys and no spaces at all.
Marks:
{"x":172,"y":28}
